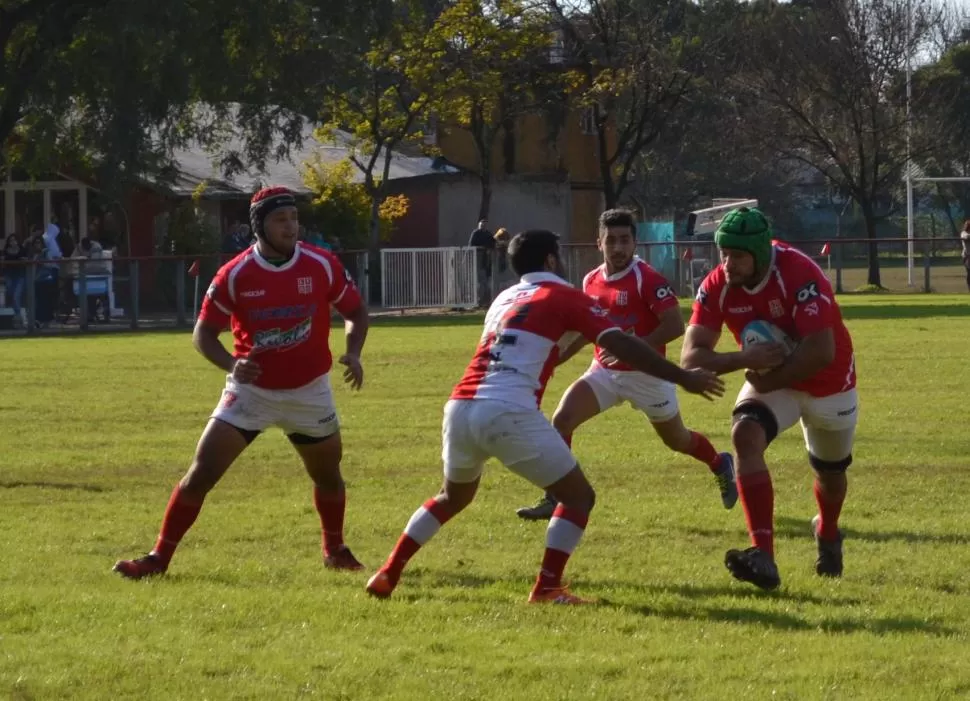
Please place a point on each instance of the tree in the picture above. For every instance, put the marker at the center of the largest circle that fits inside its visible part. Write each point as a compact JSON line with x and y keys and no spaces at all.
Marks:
{"x":340,"y":204}
{"x":637,"y":62}
{"x":114,"y":85}
{"x":490,"y":61}
{"x":827,"y":76}
{"x":383,"y":104}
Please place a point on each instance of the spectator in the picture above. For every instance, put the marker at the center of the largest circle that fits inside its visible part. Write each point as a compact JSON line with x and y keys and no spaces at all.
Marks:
{"x":46,"y":277}
{"x":237,"y":240}
{"x":502,"y":239}
{"x":14,"y":276}
{"x":965,"y":244}
{"x":484,"y":243}
{"x":94,"y":266}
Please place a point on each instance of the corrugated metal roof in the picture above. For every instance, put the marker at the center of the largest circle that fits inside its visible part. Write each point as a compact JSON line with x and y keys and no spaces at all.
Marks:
{"x":194,"y":166}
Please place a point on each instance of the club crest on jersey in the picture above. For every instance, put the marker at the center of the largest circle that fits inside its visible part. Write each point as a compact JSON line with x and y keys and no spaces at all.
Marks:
{"x":304,"y":285}
{"x":775,"y":308}
{"x":621,"y":298}
{"x":282,"y":339}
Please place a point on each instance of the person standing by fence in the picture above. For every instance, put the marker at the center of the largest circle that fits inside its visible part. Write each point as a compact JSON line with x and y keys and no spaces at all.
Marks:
{"x":483,"y":243}
{"x":965,"y":244}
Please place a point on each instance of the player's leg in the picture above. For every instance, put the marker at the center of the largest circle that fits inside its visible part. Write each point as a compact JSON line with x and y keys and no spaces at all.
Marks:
{"x":221,"y":443}
{"x":528,"y":445}
{"x":308,"y":416}
{"x":757,"y":420}
{"x":658,"y":401}
{"x":321,"y":456}
{"x":828,"y":425}
{"x":464,"y":461}
{"x":585,"y":398}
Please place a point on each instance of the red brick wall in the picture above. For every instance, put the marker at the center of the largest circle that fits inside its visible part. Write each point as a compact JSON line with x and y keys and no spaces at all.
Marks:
{"x":419,"y":227}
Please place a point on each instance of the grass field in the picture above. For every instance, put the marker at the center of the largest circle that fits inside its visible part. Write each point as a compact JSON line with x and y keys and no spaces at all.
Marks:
{"x":96,"y":430}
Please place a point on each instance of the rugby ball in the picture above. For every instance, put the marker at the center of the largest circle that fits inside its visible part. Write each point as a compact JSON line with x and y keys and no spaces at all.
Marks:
{"x":765,"y":332}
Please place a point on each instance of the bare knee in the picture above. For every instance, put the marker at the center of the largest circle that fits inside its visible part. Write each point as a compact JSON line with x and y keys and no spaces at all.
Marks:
{"x":564,"y":421}
{"x":457,"y":495}
{"x":749,"y":439}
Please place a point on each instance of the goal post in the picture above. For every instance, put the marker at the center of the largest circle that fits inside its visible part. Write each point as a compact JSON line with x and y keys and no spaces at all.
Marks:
{"x":701,"y":225}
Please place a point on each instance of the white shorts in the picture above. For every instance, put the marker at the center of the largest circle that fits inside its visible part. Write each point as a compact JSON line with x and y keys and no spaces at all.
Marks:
{"x":307,"y":410}
{"x":828,"y":423}
{"x":522,"y":439}
{"x":654,"y":397}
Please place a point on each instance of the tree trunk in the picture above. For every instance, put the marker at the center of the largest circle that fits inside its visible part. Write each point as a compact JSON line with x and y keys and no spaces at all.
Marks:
{"x":606,"y":174}
{"x":869,"y":217}
{"x":486,"y":202}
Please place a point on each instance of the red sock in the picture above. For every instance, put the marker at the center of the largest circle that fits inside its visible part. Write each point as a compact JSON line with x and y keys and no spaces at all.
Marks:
{"x":563,"y":535}
{"x":758,"y":500}
{"x":425,"y":523}
{"x":331,"y":507}
{"x":180,"y":514}
{"x":829,"y":509}
{"x":700,"y":448}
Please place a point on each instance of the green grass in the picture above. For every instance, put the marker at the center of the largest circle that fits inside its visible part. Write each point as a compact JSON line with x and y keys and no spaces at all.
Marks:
{"x":97,"y":429}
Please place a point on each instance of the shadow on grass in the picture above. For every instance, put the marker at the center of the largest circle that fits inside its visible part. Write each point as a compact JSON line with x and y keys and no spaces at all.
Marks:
{"x":794,"y":527}
{"x":65,"y":486}
{"x":905,"y":311}
{"x":892,"y":625}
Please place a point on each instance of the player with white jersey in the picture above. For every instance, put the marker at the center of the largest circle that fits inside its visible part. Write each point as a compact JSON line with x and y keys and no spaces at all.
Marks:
{"x":277,"y":298}
{"x":494,"y":410}
{"x":641,"y":302}
{"x":763,"y":280}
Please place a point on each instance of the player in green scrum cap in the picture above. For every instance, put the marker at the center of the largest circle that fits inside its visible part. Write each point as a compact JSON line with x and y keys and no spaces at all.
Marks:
{"x":760,"y":279}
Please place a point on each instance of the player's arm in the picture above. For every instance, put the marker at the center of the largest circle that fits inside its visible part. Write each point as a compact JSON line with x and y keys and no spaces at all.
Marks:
{"x":356,"y":325}
{"x":572,"y":349}
{"x":670,"y":328}
{"x":643,"y":357}
{"x":214,"y":316}
{"x":813,"y":353}
{"x":813,"y":314}
{"x":345,"y":297}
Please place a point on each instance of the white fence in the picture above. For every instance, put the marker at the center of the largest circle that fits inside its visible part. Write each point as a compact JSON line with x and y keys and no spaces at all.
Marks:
{"x":429,"y":277}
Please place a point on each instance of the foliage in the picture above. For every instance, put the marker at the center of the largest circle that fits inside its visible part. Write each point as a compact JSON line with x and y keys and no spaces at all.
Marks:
{"x":342,"y":206}
{"x":488,"y":61}
{"x":635,"y":65}
{"x":190,"y":231}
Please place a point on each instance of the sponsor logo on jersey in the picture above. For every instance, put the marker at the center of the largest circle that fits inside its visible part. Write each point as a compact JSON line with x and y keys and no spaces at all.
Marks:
{"x":812,"y":309}
{"x":253,"y":293}
{"x":665,"y":291}
{"x":294,"y":311}
{"x":741,"y":310}
{"x":281,"y":339}
{"x":806,"y":292}
{"x":701,"y":296}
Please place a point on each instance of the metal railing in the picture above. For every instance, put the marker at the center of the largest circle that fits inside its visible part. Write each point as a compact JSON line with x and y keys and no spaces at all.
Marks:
{"x":79,"y":295}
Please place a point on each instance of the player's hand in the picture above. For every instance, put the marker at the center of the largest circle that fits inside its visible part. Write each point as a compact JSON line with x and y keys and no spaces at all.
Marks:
{"x":245,"y":371}
{"x":354,"y":374}
{"x":764,"y":356}
{"x":704,"y":383}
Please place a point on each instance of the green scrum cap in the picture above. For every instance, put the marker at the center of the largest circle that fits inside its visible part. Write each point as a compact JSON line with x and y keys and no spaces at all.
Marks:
{"x":746,"y":229}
